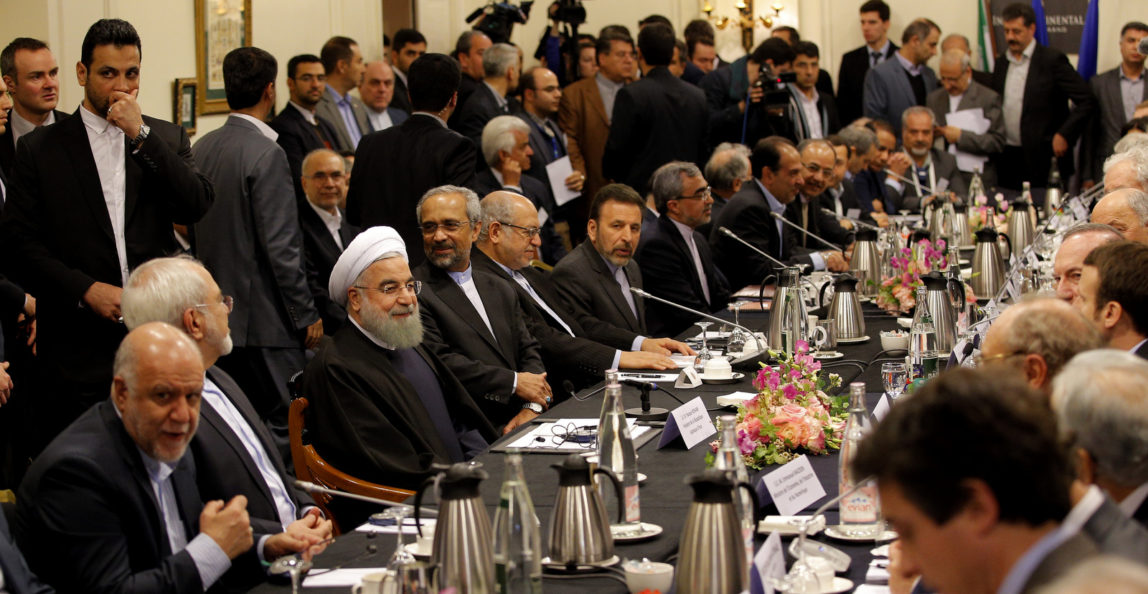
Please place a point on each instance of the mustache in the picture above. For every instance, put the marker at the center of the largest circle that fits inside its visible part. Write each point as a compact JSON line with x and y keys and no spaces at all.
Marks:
{"x":399,"y":310}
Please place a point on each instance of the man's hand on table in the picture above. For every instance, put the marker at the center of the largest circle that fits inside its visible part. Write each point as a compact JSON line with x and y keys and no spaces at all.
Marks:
{"x":524,"y":416}
{"x":302,"y":536}
{"x":645,"y":360}
{"x":665,"y":346}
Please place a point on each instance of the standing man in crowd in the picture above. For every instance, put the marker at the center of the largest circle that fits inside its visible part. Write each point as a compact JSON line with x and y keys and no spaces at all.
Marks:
{"x":74,"y":238}
{"x":326,"y":231}
{"x":300,"y":130}
{"x":343,"y":64}
{"x":468,"y":50}
{"x":541,"y":97}
{"x":377,"y":91}
{"x":962,"y":93}
{"x":32,"y":77}
{"x":658,"y":119}
{"x":1117,"y":92}
{"x":855,"y":64}
{"x":816,"y":113}
{"x":1036,"y":84}
{"x":737,"y":110}
{"x":251,"y":242}
{"x":492,"y":97}
{"x":409,"y":45}
{"x":905,"y":81}
{"x":397,"y":166}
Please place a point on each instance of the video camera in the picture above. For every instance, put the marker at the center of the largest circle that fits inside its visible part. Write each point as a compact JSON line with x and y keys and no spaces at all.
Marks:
{"x":570,"y":12}
{"x":498,"y":19}
{"x":776,"y":97}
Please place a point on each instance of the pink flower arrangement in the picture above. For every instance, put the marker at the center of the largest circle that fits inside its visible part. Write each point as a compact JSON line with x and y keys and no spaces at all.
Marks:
{"x":898,"y":293}
{"x":981,"y":213}
{"x":791,"y":414}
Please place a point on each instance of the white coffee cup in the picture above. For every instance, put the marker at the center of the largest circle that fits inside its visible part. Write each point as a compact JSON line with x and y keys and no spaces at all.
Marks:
{"x":372,"y":583}
{"x":718,"y":368}
{"x":425,"y":542}
{"x":824,"y":570}
{"x":648,"y":575}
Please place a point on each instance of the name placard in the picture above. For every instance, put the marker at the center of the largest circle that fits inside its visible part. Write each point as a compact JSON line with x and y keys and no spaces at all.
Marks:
{"x":881,"y":409}
{"x":768,"y":564}
{"x":794,"y":486}
{"x":688,"y":378}
{"x":689,"y":422}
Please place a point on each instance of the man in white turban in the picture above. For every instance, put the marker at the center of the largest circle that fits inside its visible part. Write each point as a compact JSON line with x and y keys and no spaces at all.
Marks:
{"x":382,"y":407}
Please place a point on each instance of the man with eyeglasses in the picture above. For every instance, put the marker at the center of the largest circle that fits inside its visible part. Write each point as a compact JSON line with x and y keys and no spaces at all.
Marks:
{"x":383,"y":406}
{"x":1036,"y":338}
{"x":300,"y":129}
{"x":473,"y":321}
{"x":818,"y":159}
{"x":326,"y":231}
{"x":674,"y":258}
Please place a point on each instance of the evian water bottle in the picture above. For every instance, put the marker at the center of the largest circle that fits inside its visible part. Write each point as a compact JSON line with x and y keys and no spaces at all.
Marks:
{"x":860,"y":515}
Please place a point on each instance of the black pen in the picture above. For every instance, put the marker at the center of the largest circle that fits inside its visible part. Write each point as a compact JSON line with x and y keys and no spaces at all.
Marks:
{"x":644,"y":375}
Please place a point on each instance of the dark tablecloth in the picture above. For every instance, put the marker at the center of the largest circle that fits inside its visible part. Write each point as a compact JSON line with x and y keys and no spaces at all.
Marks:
{"x":665,"y":498}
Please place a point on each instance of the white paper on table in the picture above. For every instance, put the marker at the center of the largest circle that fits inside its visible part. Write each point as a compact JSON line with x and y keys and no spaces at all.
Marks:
{"x":557,"y":171}
{"x":409,"y":527}
{"x":543,"y":216}
{"x":969,"y":120}
{"x":871,"y":589}
{"x":735,"y":398}
{"x":339,"y":578}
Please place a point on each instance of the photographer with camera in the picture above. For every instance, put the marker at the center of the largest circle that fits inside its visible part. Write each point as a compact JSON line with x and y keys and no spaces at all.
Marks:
{"x":744,"y":105}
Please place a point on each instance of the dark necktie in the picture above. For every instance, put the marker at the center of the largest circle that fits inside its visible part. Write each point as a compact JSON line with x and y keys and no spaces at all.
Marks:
{"x":322,"y":137}
{"x":874,"y":57}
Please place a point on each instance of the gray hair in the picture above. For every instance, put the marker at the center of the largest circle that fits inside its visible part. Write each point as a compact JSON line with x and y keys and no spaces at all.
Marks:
{"x":499,"y":58}
{"x":1137,"y":201}
{"x":473,"y":206}
{"x":1129,"y":142}
{"x":1109,"y":232}
{"x":1052,"y":329}
{"x":958,"y":57}
{"x":496,"y":207}
{"x":917,"y":110}
{"x":1137,"y":156}
{"x":859,"y":138}
{"x":666,"y":182}
{"x":1100,"y":399}
{"x":729,"y":163}
{"x":498,"y":135}
{"x":160,"y":290}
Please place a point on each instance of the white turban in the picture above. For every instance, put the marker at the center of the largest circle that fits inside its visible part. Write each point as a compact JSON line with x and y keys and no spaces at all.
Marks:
{"x":365,"y":250}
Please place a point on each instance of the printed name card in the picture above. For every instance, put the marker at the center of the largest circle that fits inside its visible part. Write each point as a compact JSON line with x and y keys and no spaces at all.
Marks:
{"x":688,"y":378}
{"x":690,"y":422}
{"x":768,"y":565}
{"x":794,"y":486}
{"x":881,"y":409}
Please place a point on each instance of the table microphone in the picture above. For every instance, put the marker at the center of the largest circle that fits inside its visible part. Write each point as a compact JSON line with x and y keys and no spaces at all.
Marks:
{"x":927,"y":189}
{"x":313,"y":488}
{"x":851,"y":220}
{"x":646,"y":412}
{"x":645,"y":295}
{"x":806,"y":231}
{"x":725,"y":231}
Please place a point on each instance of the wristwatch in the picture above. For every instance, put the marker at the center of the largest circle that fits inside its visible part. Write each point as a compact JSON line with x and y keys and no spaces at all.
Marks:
{"x":142,"y":136}
{"x":534,"y":406}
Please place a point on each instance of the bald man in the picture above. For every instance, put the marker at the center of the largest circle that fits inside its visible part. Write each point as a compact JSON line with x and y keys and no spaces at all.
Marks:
{"x":1078,"y":242}
{"x":956,"y":41}
{"x":1126,"y":211}
{"x":1036,"y":338}
{"x":376,"y":91}
{"x":961,"y":90}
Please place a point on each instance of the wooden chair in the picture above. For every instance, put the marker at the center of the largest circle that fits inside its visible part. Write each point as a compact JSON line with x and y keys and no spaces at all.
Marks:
{"x":311,"y":467}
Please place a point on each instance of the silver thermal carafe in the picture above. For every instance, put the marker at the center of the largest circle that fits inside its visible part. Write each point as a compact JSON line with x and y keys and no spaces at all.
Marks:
{"x":579,"y":529}
{"x":941,"y":307}
{"x":462,"y":536}
{"x":866,"y":262}
{"x":846,"y":307}
{"x":712,"y":557}
{"x":788,"y":320}
{"x":988,"y":265}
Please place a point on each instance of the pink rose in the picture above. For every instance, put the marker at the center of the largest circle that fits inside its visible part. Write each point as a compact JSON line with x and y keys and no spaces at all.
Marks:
{"x":789,"y":391}
{"x":745,"y":443}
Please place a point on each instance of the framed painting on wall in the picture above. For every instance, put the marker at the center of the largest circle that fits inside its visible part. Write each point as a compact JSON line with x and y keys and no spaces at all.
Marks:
{"x":220,"y":26}
{"x":183,"y":106}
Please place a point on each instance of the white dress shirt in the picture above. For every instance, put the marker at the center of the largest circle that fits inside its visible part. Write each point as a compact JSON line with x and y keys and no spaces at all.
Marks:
{"x":307,"y":113}
{"x":332,"y":221}
{"x":380,"y":120}
{"x":1013,"y":99}
{"x":20,"y":126}
{"x":688,"y":235}
{"x":263,"y":128}
{"x":812,"y":113}
{"x":1134,"y":500}
{"x":955,"y":102}
{"x":465,"y":281}
{"x":108,"y":146}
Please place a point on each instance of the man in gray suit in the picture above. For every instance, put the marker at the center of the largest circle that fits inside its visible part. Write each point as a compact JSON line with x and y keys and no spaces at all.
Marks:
{"x":1118,"y":91}
{"x":252,"y":244}
{"x":1101,"y":402}
{"x":344,"y":66}
{"x":931,"y":172}
{"x":962,"y":93}
{"x":895,"y":85}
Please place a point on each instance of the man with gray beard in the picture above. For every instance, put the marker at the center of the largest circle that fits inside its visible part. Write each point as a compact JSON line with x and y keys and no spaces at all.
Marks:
{"x":932,"y":172}
{"x":382,"y":407}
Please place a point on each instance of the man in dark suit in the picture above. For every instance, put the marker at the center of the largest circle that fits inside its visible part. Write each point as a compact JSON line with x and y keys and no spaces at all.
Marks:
{"x":873,"y":183}
{"x":377,"y":91}
{"x":325,"y":230}
{"x":674,"y":258}
{"x":234,"y":453}
{"x":814,"y":111}
{"x":343,"y":64}
{"x":394,"y":167}
{"x":507,"y":152}
{"x":114,"y":495}
{"x":492,"y":97}
{"x":473,"y":321}
{"x":1113,"y":295}
{"x":31,"y":74}
{"x":657,"y":119}
{"x":468,"y":50}
{"x":17,"y":577}
{"x":855,"y":64}
{"x":74,"y":239}
{"x":595,"y":279}
{"x":904,"y":81}
{"x":818,"y":158}
{"x":933,"y":173}
{"x":1117,"y":92}
{"x":251,"y":242}
{"x":1036,"y":84}
{"x":409,"y":45}
{"x":749,"y":214}
{"x":961,"y":93}
{"x":1016,"y":493}
{"x":736,"y":111}
{"x":300,"y":130}
{"x":841,"y":197}
{"x":726,"y":172}
{"x":541,"y":96}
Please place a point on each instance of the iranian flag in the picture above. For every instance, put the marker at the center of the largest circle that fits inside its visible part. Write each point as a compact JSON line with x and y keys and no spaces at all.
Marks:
{"x":985,"y":36}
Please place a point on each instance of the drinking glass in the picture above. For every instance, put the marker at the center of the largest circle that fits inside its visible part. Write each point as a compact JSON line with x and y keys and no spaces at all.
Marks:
{"x":894,"y":376}
{"x":704,"y":354}
{"x":736,"y":341}
{"x":801,"y":579}
{"x":401,"y":556}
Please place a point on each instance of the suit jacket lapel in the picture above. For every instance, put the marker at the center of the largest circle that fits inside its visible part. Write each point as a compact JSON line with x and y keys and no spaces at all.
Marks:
{"x":127,"y":449}
{"x":187,"y":495}
{"x":596,"y":103}
{"x":679,"y":242}
{"x":610,"y":284}
{"x":80,"y":155}
{"x":452,"y":295}
{"x":133,"y":175}
{"x":1115,"y":97}
{"x":498,"y":319}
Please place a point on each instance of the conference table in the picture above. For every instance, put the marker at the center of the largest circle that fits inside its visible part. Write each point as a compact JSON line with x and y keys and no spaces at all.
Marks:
{"x":665,"y":497}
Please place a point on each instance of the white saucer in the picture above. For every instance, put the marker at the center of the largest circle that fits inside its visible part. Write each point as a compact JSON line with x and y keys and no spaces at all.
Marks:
{"x":613,"y":560}
{"x":413,"y":548}
{"x":828,"y":355}
{"x":733,"y":379}
{"x":839,"y":585}
{"x":626,"y":532}
{"x":858,"y":340}
{"x":837,"y":533}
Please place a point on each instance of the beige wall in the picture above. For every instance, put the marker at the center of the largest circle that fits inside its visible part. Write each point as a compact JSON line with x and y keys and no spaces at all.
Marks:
{"x":289,"y":27}
{"x":166,"y":27}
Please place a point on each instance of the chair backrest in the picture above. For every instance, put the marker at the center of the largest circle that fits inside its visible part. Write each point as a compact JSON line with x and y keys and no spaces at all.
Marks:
{"x":311,"y":467}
